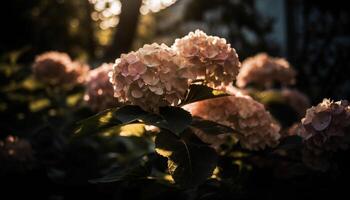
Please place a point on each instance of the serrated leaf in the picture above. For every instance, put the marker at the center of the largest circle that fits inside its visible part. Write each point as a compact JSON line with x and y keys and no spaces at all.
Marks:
{"x":189,"y":163}
{"x":201,"y":92}
{"x":177,"y":119}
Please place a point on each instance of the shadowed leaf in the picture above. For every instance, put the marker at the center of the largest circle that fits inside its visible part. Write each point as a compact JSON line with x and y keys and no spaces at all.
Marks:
{"x":177,"y":119}
{"x":190,"y":163}
{"x":201,"y":92}
{"x":211,"y":132}
{"x":210,"y":127}
{"x":139,"y":169}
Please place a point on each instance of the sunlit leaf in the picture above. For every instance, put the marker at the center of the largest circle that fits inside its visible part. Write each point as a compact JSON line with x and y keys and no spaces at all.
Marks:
{"x":174,"y":119}
{"x":190,"y":163}
{"x":135,"y":129}
{"x":115,"y":121}
{"x":94,"y":124}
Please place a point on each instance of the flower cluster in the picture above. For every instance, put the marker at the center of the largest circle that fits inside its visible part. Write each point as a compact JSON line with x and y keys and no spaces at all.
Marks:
{"x":15,"y":154}
{"x":326,"y":127}
{"x":99,"y":91}
{"x":207,"y":57}
{"x":149,"y":78}
{"x":57,"y":68}
{"x":264,"y":70}
{"x":157,"y":75}
{"x":255,"y":126}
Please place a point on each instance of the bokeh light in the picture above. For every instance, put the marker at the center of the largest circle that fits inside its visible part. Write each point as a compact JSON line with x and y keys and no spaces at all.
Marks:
{"x":155,"y":5}
{"x":106,"y":13}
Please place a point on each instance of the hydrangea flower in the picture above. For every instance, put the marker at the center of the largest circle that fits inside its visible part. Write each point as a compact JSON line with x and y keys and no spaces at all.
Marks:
{"x":99,"y":90}
{"x":76,"y":73}
{"x":207,"y":57}
{"x":264,"y":70}
{"x":255,"y":125}
{"x":149,"y":78}
{"x":326,"y":127}
{"x":56,"y":68}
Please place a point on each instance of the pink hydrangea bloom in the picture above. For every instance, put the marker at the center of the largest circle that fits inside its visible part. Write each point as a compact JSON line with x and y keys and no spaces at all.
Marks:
{"x":149,"y":78}
{"x":56,"y":68}
{"x":264,"y":70}
{"x":99,"y":90}
{"x":255,"y":125}
{"x":326,"y":127}
{"x":207,"y":57}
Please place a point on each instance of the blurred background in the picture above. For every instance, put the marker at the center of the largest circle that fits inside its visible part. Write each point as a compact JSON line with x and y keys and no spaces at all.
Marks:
{"x":312,"y":35}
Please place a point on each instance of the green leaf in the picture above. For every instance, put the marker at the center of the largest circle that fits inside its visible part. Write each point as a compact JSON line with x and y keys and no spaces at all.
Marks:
{"x":94,"y":124}
{"x":211,"y":132}
{"x":190,"y":163}
{"x":115,"y":119}
{"x":201,"y":92}
{"x":174,"y":119}
{"x":129,"y":114}
{"x":139,"y":169}
{"x":210,"y":127}
{"x":134,"y":129}
{"x":177,"y":119}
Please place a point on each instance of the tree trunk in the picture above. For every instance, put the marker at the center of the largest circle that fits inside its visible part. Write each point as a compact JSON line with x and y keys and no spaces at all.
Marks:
{"x":126,"y":29}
